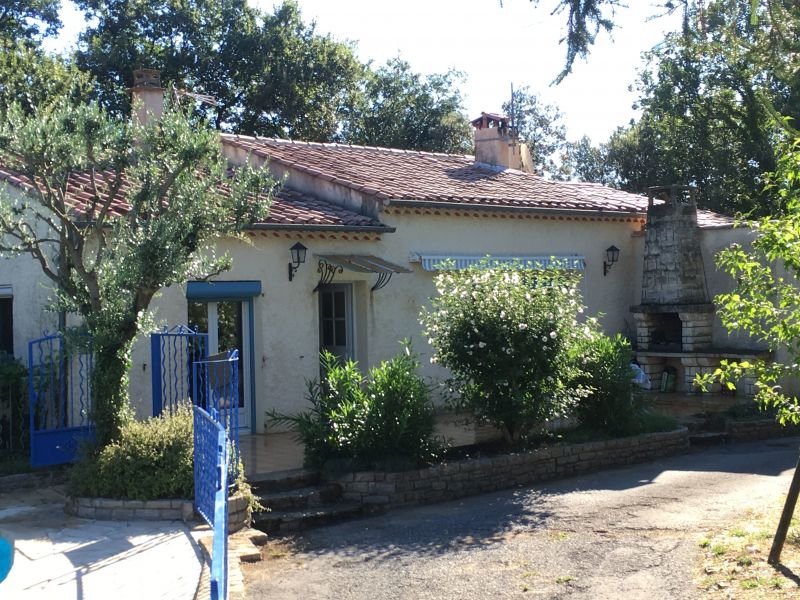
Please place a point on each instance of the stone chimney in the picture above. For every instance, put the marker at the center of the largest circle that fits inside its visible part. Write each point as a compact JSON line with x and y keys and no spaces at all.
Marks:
{"x":496,"y":144}
{"x":147,"y":96}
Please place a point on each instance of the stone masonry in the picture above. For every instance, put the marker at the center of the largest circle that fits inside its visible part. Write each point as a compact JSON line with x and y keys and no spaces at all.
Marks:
{"x":478,"y":475}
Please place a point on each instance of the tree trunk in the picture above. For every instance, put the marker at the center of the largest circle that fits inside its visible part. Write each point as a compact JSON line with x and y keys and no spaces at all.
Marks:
{"x":110,"y":386}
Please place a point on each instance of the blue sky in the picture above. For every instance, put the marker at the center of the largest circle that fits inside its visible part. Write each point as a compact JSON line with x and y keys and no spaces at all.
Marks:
{"x":493,"y":46}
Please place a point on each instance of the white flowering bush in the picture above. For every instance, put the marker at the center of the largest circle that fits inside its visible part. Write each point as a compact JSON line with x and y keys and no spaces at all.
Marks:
{"x":508,"y":336}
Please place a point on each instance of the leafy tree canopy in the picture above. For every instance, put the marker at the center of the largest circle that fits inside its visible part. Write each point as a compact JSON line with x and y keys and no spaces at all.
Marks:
{"x":540,"y":126}
{"x":402,"y":109}
{"x":107,"y":264}
{"x":32,"y":79}
{"x":710,"y":96}
{"x":28,"y":20}
{"x":270,"y":73}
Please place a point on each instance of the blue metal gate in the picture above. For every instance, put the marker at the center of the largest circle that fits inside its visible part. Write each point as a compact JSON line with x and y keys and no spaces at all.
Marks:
{"x":172,"y":354}
{"x":60,"y":397}
{"x":211,"y":491}
{"x":215,"y":386}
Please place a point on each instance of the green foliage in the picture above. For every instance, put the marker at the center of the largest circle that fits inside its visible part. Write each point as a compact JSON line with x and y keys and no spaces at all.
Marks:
{"x":540,"y":127}
{"x":583,"y":161}
{"x":385,"y":418}
{"x":710,"y":95}
{"x":150,"y":460}
{"x":28,"y":20}
{"x":109,"y":270}
{"x":401,"y":109}
{"x":14,"y":411}
{"x":271,"y":74}
{"x":30,"y":78}
{"x":765,"y":303}
{"x":506,"y":335}
{"x":610,"y":405}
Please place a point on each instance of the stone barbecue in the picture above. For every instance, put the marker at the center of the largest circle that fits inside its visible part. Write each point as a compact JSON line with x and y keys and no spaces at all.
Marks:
{"x":674,"y":322}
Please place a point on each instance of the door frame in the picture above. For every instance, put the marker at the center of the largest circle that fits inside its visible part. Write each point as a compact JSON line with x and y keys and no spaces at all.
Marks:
{"x":350,"y":325}
{"x":244,"y":292}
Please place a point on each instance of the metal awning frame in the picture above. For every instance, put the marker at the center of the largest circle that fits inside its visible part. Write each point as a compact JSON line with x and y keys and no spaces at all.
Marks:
{"x":330,"y":265}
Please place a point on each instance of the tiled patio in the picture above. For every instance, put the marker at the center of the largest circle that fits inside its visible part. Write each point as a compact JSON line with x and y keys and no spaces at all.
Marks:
{"x":279,"y":451}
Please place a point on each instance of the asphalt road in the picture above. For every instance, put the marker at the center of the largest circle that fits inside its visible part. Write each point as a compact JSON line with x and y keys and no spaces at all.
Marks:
{"x":623,"y":534}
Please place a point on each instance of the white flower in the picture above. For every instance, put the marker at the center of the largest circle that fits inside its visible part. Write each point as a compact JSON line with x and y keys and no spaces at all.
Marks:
{"x":481,"y":344}
{"x":523,"y":326}
{"x":553,"y":335}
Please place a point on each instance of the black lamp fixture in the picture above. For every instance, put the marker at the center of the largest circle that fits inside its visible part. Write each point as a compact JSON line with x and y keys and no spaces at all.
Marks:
{"x":298,"y":258}
{"x":612,"y":256}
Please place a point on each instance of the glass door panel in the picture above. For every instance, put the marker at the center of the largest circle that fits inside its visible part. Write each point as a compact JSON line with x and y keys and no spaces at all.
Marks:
{"x":224,"y":322}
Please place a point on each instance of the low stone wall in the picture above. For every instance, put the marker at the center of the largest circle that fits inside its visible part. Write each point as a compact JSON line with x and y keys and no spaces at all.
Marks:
{"x":238,"y":513}
{"x":153,"y":510}
{"x":130,"y":510}
{"x":468,"y":477}
{"x":758,"y":429}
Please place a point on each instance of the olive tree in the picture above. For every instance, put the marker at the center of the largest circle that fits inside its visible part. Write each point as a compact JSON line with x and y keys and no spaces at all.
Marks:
{"x":154,"y":199}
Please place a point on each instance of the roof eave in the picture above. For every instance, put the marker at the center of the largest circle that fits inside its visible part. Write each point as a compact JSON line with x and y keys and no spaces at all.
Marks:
{"x":315,"y":227}
{"x":514,"y":209}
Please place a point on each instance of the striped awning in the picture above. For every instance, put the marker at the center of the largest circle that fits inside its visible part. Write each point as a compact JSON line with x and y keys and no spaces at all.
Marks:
{"x":361,"y":263}
{"x":438,"y":262}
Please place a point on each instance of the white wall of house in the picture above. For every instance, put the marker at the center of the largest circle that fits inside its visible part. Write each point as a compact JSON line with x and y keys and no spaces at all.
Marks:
{"x":286,"y":314}
{"x":32,"y":294}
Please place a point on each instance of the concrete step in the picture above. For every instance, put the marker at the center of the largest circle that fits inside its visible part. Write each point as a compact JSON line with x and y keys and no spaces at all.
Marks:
{"x":281,"y":481}
{"x":708,"y":438}
{"x":285,"y":521}
{"x":309,"y":496}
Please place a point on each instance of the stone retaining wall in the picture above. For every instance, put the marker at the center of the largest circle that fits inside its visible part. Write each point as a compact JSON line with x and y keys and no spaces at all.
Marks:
{"x":474,"y":476}
{"x":130,"y":510}
{"x":153,"y":510}
{"x":760,"y":429}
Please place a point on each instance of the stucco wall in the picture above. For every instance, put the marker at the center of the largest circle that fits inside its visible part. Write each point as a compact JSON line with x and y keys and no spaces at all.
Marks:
{"x":32,"y":296}
{"x":286,"y":320}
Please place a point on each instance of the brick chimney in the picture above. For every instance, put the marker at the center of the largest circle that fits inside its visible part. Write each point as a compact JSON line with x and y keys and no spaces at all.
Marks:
{"x":496,"y":144}
{"x":147,"y":95}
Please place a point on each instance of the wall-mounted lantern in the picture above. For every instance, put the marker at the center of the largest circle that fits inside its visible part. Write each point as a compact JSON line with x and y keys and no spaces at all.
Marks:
{"x":612,"y":256}
{"x":298,"y":258}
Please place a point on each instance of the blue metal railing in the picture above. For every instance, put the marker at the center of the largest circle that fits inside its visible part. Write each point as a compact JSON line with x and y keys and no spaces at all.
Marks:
{"x":60,"y":397}
{"x":211,"y":491}
{"x":172,"y":353}
{"x":215,"y":385}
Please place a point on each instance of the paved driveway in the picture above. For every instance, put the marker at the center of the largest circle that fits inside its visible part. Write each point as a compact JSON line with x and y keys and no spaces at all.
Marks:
{"x":59,"y":557}
{"x":625,"y":533}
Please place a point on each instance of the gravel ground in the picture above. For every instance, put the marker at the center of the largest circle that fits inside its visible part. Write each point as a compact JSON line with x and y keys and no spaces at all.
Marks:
{"x":624,"y":533}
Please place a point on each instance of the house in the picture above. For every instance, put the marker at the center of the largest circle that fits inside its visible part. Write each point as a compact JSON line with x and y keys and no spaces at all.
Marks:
{"x":376,"y":224}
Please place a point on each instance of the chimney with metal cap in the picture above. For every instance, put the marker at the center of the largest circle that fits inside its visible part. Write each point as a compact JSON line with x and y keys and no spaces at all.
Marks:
{"x":147,"y":96}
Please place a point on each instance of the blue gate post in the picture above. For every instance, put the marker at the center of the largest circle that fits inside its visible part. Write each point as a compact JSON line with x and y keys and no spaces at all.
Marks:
{"x":215,"y":386}
{"x":211,"y":491}
{"x":172,"y":353}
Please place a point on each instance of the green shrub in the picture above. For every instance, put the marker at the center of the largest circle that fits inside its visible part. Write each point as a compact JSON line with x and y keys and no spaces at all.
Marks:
{"x":506,"y":336}
{"x":610,"y":405}
{"x":386,"y":418}
{"x":149,"y":460}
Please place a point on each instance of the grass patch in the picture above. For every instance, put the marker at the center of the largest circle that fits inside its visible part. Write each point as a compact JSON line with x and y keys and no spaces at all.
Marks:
{"x":564,"y":579}
{"x":733,"y":561}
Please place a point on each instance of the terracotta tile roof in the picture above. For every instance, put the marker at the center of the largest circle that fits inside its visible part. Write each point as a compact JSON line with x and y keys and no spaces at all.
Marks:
{"x":295,"y":209}
{"x":409,"y":176}
{"x":289,"y":208}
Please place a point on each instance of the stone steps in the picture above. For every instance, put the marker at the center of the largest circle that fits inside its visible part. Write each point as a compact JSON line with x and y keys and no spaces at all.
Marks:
{"x":297,"y":500}
{"x":285,"y":521}
{"x":304,"y":497}
{"x":708,"y":438}
{"x":279,"y":481}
